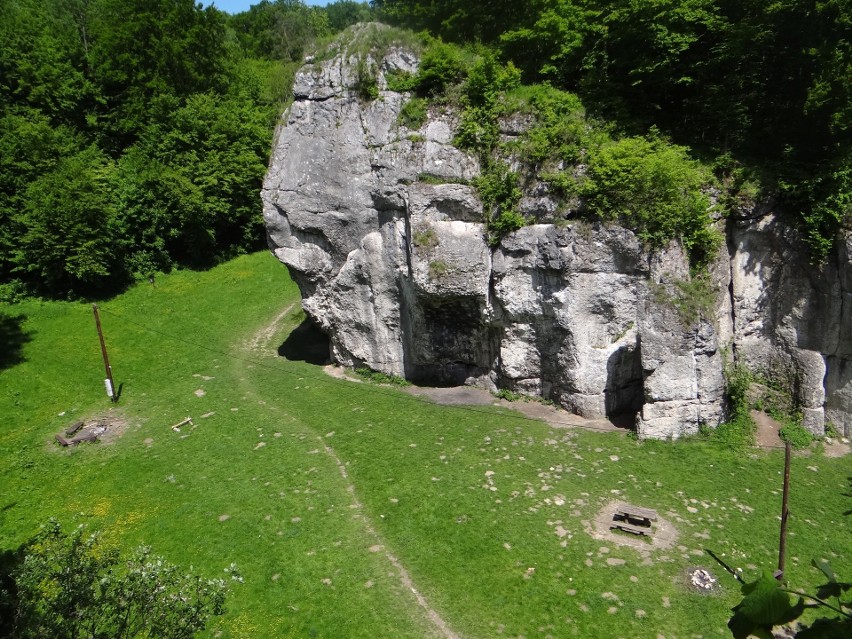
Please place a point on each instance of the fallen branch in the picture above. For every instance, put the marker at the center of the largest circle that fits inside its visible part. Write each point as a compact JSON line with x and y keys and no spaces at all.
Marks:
{"x":176,"y":427}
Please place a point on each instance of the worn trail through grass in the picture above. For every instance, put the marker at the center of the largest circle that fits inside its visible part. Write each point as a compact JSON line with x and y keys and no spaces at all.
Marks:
{"x":263,"y":343}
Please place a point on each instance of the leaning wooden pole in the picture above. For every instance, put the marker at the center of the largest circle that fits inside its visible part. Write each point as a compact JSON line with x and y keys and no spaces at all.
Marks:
{"x":108,"y":382}
{"x":782,"y":545}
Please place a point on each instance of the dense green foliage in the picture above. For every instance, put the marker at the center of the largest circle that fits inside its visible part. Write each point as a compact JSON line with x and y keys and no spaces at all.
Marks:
{"x":499,"y":192}
{"x":71,"y":585}
{"x":134,"y":134}
{"x":767,"y":604}
{"x":793,"y":432}
{"x":654,"y":188}
{"x":738,"y":431}
{"x":645,"y":183}
{"x":768,"y":82}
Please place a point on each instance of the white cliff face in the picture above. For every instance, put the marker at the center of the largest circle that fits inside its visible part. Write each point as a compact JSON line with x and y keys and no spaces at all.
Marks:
{"x":792,"y":320}
{"x":397,"y":271}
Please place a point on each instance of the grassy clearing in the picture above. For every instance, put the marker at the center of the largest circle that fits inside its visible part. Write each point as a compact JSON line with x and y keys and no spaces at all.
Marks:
{"x":469,"y":500}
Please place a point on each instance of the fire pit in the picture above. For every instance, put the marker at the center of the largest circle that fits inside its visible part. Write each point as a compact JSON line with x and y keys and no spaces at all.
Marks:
{"x":701,"y":579}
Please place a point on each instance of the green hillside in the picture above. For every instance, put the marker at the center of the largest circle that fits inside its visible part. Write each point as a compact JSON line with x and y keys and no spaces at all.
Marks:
{"x":323,"y":490}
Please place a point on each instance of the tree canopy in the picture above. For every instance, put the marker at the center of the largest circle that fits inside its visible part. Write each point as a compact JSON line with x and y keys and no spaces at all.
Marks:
{"x":765,"y":83}
{"x":134,"y":134}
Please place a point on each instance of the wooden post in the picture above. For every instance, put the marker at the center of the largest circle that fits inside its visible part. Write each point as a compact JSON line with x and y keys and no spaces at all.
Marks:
{"x":782,"y":545}
{"x":110,"y":385}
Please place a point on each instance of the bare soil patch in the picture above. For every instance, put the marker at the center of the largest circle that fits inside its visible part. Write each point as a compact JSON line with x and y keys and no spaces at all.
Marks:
{"x":103,"y":427}
{"x":339,"y":372}
{"x":836,"y":447}
{"x":767,"y":429}
{"x":768,"y":435}
{"x":665,"y":534}
{"x":552,"y":415}
{"x":260,"y":340}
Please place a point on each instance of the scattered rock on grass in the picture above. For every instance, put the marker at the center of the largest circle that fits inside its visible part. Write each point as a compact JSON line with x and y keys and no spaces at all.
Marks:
{"x":701,"y":579}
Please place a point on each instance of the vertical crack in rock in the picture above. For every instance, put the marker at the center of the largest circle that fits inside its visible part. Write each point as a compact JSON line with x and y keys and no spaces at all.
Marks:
{"x":729,"y":241}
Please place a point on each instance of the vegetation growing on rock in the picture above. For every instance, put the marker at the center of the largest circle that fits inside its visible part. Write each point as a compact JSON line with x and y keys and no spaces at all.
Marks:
{"x":764,"y":85}
{"x":641,"y":182}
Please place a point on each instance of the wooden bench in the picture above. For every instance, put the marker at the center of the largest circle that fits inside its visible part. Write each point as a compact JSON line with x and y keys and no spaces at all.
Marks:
{"x":635,"y":512}
{"x":634,"y":519}
{"x":636,"y":530}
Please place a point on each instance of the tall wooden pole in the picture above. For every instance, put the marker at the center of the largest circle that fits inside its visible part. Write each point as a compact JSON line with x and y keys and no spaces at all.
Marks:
{"x":782,"y":546}
{"x":110,"y":385}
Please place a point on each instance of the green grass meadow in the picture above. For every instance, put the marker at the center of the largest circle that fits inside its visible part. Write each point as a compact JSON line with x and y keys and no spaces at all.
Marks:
{"x":314,"y":485}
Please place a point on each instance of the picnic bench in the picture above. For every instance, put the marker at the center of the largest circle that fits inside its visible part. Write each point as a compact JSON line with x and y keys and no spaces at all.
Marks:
{"x":634,"y":519}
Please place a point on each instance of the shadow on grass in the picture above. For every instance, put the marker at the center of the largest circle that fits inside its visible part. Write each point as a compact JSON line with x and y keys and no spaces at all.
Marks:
{"x":725,"y":565}
{"x":12,"y":339}
{"x":306,"y":343}
{"x":10,"y":561}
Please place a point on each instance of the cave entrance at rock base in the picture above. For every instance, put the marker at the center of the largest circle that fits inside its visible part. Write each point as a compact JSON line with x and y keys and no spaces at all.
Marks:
{"x":624,"y":386}
{"x":446,"y":375}
{"x":307,"y":343}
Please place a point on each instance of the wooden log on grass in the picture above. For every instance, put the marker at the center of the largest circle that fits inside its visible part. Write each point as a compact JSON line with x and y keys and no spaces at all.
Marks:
{"x":85,"y":436}
{"x":76,"y":426}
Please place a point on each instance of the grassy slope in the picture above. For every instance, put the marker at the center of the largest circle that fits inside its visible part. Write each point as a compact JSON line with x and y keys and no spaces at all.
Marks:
{"x":419,"y":471}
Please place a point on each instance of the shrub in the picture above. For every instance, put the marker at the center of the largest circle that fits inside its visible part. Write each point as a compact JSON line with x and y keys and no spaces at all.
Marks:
{"x":75,"y":585}
{"x":487,"y":81}
{"x":440,"y":66}
{"x":738,"y":379}
{"x":559,"y":130}
{"x":509,"y":396}
{"x":739,"y":430}
{"x":828,"y":206}
{"x":499,"y":191}
{"x":477,"y":131}
{"x":366,"y":83}
{"x":793,"y":432}
{"x":380,"y":378}
{"x":503,"y":224}
{"x":561,"y":183}
{"x":400,"y":81}
{"x":413,"y":113}
{"x":655,"y":189}
{"x":488,"y":78}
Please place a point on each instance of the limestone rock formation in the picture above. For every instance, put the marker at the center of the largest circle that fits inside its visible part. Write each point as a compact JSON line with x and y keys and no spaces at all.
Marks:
{"x":384,"y":236}
{"x":793,"y":320}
